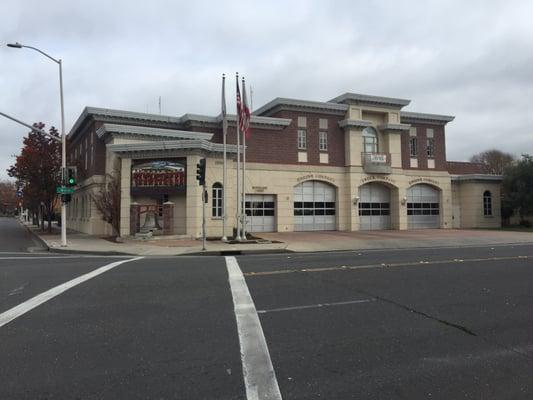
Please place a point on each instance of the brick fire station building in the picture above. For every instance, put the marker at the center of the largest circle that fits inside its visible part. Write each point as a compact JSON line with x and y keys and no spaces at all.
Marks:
{"x":356,"y":162}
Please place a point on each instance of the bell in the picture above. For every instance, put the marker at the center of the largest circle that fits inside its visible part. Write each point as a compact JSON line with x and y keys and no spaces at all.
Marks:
{"x":150,"y":222}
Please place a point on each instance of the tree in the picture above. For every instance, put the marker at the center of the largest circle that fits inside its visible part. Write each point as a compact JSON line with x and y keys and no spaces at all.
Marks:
{"x":494,"y":161}
{"x":107,"y":202}
{"x":37,"y":170}
{"x":518,"y":186}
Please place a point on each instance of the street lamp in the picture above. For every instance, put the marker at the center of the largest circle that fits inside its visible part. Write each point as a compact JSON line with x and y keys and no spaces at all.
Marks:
{"x":63,"y":138}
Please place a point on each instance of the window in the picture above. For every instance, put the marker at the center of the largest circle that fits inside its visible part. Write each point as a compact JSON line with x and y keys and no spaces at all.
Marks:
{"x":302,"y":139}
{"x":323,"y":141}
{"x":370,"y":140}
{"x":487,"y":204}
{"x":430,"y":147}
{"x":430,"y":144}
{"x":413,"y":148}
{"x":217,"y":200}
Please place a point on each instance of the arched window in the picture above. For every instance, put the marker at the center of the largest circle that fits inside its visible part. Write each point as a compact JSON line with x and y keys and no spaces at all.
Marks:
{"x":487,"y":203}
{"x":217,"y":200}
{"x":370,"y":140}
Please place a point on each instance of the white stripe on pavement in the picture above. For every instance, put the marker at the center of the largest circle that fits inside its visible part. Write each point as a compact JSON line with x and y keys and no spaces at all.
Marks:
{"x":259,"y":376}
{"x":339,"y":303}
{"x":15,"y":312}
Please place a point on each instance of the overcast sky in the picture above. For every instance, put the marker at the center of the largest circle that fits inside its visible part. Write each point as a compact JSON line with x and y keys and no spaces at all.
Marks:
{"x":470,"y":59}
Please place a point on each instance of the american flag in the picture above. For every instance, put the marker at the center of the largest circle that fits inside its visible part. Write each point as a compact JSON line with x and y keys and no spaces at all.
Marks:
{"x":243,"y":111}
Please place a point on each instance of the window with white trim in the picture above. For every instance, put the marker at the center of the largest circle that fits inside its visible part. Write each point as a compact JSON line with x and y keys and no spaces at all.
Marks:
{"x":413,"y":146}
{"x":302,"y":139}
{"x":216,"y":202}
{"x":323,"y":141}
{"x":487,"y":203}
{"x":370,"y":140}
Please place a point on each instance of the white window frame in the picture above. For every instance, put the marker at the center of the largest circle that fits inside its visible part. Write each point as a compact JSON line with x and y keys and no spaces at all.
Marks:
{"x":487,"y":203}
{"x":370,"y":138}
{"x":302,"y":139}
{"x":216,"y":200}
{"x":323,"y":140}
{"x":413,"y":146}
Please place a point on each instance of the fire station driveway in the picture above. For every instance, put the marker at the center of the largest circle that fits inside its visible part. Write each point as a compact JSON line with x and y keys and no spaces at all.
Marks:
{"x":393,"y":239}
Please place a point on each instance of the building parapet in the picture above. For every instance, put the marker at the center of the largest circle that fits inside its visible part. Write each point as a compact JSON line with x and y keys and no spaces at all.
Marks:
{"x":408,"y":117}
{"x":147,"y":131}
{"x":365,"y":99}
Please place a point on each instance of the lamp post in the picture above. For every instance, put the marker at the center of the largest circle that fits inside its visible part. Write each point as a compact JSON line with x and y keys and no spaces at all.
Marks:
{"x":63,"y":138}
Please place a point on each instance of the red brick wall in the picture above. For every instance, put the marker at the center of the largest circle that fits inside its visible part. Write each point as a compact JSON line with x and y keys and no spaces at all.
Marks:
{"x":439,"y":145}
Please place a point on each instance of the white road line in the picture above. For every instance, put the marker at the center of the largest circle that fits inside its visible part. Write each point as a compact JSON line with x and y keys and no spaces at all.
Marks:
{"x":259,"y":375}
{"x":15,"y":312}
{"x":339,"y":303}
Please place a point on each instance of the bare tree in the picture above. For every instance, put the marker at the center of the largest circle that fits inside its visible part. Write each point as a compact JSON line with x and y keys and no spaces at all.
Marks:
{"x":494,"y":161}
{"x":107,"y":202}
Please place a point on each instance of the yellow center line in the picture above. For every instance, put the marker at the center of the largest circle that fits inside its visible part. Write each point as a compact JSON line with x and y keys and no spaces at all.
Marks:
{"x":384,"y":265}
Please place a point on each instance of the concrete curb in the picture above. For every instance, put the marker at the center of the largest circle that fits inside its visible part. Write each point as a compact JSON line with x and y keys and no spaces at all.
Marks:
{"x":90,"y":252}
{"x":36,"y":237}
{"x":237,"y":252}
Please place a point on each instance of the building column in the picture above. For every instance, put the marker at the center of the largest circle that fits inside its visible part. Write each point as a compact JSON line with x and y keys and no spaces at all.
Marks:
{"x":168,"y":218}
{"x":125,"y":196}
{"x":135,"y":218}
{"x":193,"y":199}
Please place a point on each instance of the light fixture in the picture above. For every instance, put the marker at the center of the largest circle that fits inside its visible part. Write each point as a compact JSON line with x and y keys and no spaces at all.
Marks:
{"x":16,"y":45}
{"x":356,"y":200}
{"x":404,"y":200}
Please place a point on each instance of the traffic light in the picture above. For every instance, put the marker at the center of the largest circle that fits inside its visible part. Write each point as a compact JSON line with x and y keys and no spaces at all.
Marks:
{"x":71,"y":178}
{"x":200,"y":172}
{"x":66,"y":198}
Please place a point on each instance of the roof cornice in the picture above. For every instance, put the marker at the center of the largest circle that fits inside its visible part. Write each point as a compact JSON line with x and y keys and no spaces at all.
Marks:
{"x":149,"y":131}
{"x":281,"y":103}
{"x":354,"y":123}
{"x":198,"y":144}
{"x":394,"y":127}
{"x":365,"y":99}
{"x":477,"y":177}
{"x":422,"y":117}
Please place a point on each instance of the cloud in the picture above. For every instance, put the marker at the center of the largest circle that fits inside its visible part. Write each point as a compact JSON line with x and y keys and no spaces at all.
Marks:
{"x":469,"y":59}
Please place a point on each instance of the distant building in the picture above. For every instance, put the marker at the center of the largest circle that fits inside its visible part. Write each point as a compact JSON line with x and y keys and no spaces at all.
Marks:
{"x":356,"y":162}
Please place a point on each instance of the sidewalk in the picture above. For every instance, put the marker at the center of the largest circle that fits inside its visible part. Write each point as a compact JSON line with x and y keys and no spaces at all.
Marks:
{"x":286,"y":242}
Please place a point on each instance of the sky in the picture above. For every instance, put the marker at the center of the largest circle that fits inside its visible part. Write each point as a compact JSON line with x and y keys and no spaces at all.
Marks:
{"x":471,"y":59}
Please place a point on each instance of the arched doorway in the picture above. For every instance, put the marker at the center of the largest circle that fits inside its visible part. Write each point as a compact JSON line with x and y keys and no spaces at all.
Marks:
{"x":314,"y":206}
{"x":423,"y":207}
{"x":374,"y":207}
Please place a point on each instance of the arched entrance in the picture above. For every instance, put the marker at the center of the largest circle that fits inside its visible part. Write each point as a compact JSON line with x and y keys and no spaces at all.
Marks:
{"x":423,"y":207}
{"x":374,"y":207}
{"x":314,"y":206}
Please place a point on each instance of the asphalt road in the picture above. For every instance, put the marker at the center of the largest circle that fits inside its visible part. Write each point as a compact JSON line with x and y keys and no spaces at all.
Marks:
{"x":410,"y":324}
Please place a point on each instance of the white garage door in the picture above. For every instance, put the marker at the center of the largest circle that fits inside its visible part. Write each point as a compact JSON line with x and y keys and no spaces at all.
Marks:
{"x":260,"y":212}
{"x":423,"y":208}
{"x":374,"y":207}
{"x":314,"y":207}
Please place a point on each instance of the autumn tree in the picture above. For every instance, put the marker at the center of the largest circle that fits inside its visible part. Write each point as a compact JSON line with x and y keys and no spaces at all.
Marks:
{"x":37,"y":168}
{"x":494,"y":161}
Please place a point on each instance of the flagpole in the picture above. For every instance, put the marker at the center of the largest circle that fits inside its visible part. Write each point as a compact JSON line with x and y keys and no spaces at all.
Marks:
{"x":243,"y":205}
{"x":225,"y":172}
{"x":238,"y":198}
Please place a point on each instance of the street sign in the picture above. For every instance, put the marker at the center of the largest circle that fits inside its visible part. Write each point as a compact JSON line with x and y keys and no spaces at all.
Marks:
{"x":64,"y":190}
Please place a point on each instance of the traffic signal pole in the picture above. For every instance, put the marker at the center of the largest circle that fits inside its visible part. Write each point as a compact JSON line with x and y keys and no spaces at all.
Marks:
{"x":204,"y":200}
{"x":200,"y":177}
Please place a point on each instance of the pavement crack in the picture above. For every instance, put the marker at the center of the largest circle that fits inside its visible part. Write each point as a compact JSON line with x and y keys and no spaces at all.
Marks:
{"x":426,"y":315}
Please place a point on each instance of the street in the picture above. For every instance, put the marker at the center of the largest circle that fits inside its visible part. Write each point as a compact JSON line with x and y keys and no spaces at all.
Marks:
{"x":448,"y":323}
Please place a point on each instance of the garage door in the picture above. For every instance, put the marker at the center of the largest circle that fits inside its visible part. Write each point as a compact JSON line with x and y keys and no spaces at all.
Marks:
{"x":423,"y":208}
{"x":260,"y":213}
{"x":374,"y":207}
{"x":314,"y":207}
